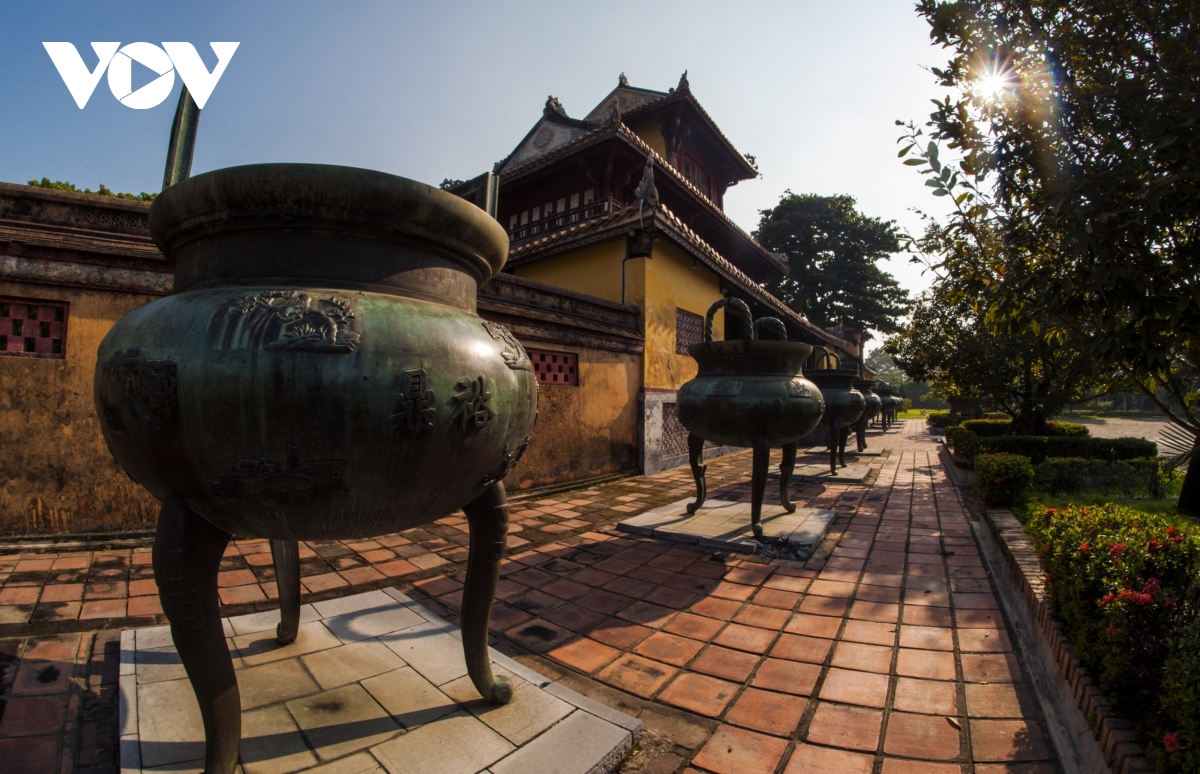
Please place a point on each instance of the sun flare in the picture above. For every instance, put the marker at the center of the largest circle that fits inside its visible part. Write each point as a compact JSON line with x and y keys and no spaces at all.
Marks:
{"x":994,"y":84}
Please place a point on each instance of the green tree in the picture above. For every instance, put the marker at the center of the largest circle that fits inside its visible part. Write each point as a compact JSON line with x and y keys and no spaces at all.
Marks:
{"x":1076,"y":130}
{"x":59,"y":185}
{"x":832,"y":252}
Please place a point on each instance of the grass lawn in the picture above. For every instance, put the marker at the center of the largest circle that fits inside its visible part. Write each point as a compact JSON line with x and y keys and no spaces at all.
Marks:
{"x":911,"y":414}
{"x":1039,"y":501}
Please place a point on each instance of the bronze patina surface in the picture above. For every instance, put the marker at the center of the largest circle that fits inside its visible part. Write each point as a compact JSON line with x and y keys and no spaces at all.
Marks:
{"x":319,"y":372}
{"x":843,"y":406}
{"x":874,"y":405}
{"x":752,"y":393}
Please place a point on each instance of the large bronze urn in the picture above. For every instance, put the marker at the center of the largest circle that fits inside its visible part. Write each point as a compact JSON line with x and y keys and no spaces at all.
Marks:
{"x":318,"y":372}
{"x":891,"y":403}
{"x":749,"y":392}
{"x":874,"y":405}
{"x":843,"y":405}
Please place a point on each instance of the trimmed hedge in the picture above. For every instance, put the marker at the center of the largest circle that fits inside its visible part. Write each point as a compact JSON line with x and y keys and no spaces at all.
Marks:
{"x":1067,"y":429}
{"x":1059,"y":475}
{"x":1039,"y":447}
{"x":1001,"y":479}
{"x":988,"y":428}
{"x":939,"y":419}
{"x":962,"y":441}
{"x":1126,"y":585}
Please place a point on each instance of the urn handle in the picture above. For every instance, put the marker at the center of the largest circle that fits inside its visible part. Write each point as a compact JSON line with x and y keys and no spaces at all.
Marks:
{"x":774,"y":324}
{"x":742,"y":311}
{"x":827,"y":361}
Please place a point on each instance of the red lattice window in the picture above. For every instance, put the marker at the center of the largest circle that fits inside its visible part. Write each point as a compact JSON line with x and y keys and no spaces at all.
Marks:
{"x":33,"y":328}
{"x":689,"y":329}
{"x":555,"y":367}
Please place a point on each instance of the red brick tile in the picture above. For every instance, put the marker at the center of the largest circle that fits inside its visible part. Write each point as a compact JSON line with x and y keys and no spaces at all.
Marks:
{"x":62,"y":647}
{"x":929,"y":697}
{"x":825,"y":588}
{"x":19,"y":595}
{"x":1007,"y":740}
{"x":640,"y":676}
{"x":733,"y":591}
{"x":71,"y":563}
{"x":360,"y":575}
{"x":850,"y":728}
{"x":32,"y":717}
{"x":42,"y":677}
{"x":574,"y":617}
{"x":1016,"y":768}
{"x":923,"y":615}
{"x":698,"y":693}
{"x":846,"y":686}
{"x":377,"y":555}
{"x":618,"y":633}
{"x":996,"y":700}
{"x":396,"y":568}
{"x":539,"y":635}
{"x":813,"y":625}
{"x":747,"y":638}
{"x":725,"y":663}
{"x":564,"y":589}
{"x":433,"y":587}
{"x":748,"y":574}
{"x":784,"y":600}
{"x":711,"y":607}
{"x":235,"y":578}
{"x":146,"y":586}
{"x":880,"y":612}
{"x":968,"y":601}
{"x":695,"y":626}
{"x":870,"y":632}
{"x":797,"y":647}
{"x":787,"y":583}
{"x":833,"y":606}
{"x":603,"y":601}
{"x":772,"y":713}
{"x":882,"y":594}
{"x":895,"y":766}
{"x":585,"y":655}
{"x":990,"y":668}
{"x":732,"y":750}
{"x":62,"y":592}
{"x":30,"y":754}
{"x":978,"y":619}
{"x":316,"y":583}
{"x":139,"y":606}
{"x":921,"y":736}
{"x":927,"y":664}
{"x":668,"y":648}
{"x":762,"y":617}
{"x":926,"y":638}
{"x":864,"y":658}
{"x":969,"y":640}
{"x":786,"y":676}
{"x":675,"y":599}
{"x":646,"y":613}
{"x":47,"y":611}
{"x":807,"y":759}
{"x":104,"y":608}
{"x":238,"y":595}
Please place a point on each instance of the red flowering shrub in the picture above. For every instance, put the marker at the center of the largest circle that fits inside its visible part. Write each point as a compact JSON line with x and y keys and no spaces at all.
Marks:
{"x":1126,"y":586}
{"x":1002,"y":478}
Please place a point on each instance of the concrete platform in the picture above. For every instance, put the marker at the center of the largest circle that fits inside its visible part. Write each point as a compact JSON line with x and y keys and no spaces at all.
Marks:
{"x":825,"y":450}
{"x":374,"y":682}
{"x":819,"y":473}
{"x":725,"y":525}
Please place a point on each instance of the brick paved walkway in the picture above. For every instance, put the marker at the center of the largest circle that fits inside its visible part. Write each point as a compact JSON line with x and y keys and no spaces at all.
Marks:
{"x":883,"y":653}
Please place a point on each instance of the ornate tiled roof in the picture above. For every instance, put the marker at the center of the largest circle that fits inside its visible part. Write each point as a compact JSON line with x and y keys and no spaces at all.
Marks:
{"x":619,"y":221}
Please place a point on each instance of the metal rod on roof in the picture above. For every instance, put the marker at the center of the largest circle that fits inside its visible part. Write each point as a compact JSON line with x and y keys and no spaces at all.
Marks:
{"x":183,"y":141}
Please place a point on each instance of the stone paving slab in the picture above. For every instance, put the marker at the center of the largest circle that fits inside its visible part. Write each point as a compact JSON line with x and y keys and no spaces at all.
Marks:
{"x":825,"y":451}
{"x":819,"y":473}
{"x":724,"y":525}
{"x":374,"y":682}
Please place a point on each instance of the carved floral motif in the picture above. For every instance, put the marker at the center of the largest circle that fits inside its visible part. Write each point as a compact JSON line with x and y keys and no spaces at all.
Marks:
{"x":286,"y":320}
{"x":511,"y":349}
{"x":147,"y":390}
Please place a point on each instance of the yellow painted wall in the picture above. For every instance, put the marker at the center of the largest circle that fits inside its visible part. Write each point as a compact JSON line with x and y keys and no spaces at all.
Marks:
{"x":646,"y":128}
{"x":586,"y":430}
{"x":672,"y":282}
{"x":593,"y":270}
{"x":57,"y":472}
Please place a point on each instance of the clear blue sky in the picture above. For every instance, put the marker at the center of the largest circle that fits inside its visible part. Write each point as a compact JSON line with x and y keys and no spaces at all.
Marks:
{"x":443,"y":89}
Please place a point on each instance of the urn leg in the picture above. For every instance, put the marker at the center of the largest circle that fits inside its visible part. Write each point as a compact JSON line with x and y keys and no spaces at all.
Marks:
{"x":758,"y":482}
{"x":785,"y":477}
{"x":860,"y":435}
{"x":286,"y":554}
{"x":187,"y":555}
{"x":843,"y":439}
{"x":487,"y":516}
{"x":835,"y":433}
{"x":695,"y":455}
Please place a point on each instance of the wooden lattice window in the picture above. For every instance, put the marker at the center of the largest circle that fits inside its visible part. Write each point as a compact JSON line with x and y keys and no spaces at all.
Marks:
{"x":555,"y":367}
{"x":674,"y":434}
{"x":33,"y":328}
{"x":689,"y":329}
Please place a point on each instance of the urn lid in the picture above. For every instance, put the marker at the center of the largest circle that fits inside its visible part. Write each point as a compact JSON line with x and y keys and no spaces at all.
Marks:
{"x":264,"y":198}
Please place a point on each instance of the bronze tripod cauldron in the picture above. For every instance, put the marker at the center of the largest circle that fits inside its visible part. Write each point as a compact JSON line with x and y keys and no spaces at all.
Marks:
{"x":843,"y":404}
{"x":874,"y":405}
{"x":752,"y":393}
{"x":319,"y":371}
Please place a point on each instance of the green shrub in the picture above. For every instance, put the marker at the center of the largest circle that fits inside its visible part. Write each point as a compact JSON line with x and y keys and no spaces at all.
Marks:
{"x":995,"y":415}
{"x":1066,"y":430}
{"x":1059,"y":475}
{"x":1002,"y":478}
{"x":1124,"y":584}
{"x":939,"y":419}
{"x":988,"y":428}
{"x":962,"y":441}
{"x":1038,"y":447}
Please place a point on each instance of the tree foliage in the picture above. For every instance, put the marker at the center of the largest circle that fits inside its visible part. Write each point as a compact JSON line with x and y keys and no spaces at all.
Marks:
{"x":59,"y":185}
{"x":1076,"y":131}
{"x":832,"y":252}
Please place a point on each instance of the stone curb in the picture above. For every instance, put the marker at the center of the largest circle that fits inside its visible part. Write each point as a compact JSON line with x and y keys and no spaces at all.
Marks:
{"x":1118,"y":742}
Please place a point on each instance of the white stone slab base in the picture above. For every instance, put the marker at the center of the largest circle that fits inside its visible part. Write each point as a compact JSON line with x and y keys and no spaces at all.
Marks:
{"x":725,"y":525}
{"x":819,"y":473}
{"x":374,"y":682}
{"x":825,"y":451}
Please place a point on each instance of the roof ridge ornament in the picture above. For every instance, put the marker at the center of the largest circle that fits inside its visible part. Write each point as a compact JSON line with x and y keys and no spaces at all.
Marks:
{"x":622,"y":81}
{"x":646,"y":192}
{"x":613,"y":113}
{"x":553,"y":106}
{"x":683,"y":83}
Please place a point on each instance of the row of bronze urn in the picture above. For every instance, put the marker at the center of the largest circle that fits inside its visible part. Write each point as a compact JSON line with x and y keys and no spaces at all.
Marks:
{"x":319,"y":372}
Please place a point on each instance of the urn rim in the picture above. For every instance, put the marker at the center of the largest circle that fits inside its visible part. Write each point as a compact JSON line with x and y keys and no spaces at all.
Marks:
{"x":757,"y":348}
{"x":286,"y":196}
